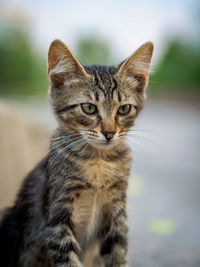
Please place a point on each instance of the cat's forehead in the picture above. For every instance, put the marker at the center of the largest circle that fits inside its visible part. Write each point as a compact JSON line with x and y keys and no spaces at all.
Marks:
{"x":106,"y":87}
{"x":101,"y":70}
{"x":103,"y":78}
{"x":102,"y":87}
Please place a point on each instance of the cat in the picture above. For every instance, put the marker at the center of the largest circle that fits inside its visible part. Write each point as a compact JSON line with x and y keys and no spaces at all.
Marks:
{"x":71,"y":209}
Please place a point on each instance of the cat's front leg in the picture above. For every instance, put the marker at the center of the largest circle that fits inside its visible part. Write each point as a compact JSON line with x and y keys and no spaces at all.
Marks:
{"x":114,"y":242}
{"x":63,"y":248}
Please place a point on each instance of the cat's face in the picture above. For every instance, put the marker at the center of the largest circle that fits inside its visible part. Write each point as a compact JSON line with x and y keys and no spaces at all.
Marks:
{"x":97,"y":102}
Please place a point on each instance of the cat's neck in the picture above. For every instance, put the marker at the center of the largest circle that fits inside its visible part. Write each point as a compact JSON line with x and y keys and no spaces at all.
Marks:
{"x":100,"y":167}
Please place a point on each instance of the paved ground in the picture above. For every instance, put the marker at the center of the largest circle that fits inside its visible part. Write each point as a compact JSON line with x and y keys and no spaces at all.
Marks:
{"x":164,"y":199}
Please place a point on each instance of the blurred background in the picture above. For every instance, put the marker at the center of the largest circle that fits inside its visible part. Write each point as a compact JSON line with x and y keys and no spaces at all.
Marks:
{"x":164,"y":188}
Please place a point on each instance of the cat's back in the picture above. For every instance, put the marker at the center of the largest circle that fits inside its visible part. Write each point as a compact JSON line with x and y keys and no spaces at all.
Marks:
{"x":16,"y":226}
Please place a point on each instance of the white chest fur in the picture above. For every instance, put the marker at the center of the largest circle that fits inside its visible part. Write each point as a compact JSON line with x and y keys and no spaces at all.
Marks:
{"x":88,"y":208}
{"x":87,"y":213}
{"x":98,"y":171}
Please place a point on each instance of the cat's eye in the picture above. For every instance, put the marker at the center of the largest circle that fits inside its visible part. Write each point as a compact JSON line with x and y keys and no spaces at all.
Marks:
{"x":124,"y":110}
{"x":89,"y":108}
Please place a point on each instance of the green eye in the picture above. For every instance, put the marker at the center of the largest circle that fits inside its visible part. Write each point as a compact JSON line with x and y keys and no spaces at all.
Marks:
{"x":124,"y":110}
{"x":89,"y":108}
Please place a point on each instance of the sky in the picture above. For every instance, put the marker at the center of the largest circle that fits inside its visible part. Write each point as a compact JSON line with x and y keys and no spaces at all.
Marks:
{"x":124,"y":24}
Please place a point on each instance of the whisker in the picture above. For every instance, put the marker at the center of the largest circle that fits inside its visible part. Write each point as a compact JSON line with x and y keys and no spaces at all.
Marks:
{"x":145,"y":138}
{"x":135,"y":142}
{"x":78,"y":146}
{"x":67,"y":145}
{"x":59,"y":138}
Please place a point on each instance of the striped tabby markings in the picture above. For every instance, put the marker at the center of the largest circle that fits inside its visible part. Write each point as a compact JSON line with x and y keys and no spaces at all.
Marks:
{"x":69,"y":107}
{"x":99,"y":84}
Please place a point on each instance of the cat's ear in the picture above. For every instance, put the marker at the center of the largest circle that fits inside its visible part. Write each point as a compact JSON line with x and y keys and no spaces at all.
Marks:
{"x":136,"y":67}
{"x":62,"y":64}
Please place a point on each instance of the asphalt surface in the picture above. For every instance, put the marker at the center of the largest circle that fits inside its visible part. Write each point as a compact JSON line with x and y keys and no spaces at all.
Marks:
{"x":164,"y":192}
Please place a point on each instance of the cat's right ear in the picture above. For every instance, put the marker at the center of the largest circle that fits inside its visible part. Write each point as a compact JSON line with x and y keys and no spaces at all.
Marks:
{"x":62,"y":64}
{"x":136,"y":67}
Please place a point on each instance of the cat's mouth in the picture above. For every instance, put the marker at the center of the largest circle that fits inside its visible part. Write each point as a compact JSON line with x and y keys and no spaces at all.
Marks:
{"x":103,"y":144}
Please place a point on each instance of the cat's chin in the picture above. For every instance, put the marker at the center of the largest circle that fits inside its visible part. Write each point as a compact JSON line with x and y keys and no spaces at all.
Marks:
{"x":103,"y":145}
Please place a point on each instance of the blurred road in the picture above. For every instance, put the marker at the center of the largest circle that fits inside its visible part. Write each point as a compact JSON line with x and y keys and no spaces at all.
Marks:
{"x":164,"y":192}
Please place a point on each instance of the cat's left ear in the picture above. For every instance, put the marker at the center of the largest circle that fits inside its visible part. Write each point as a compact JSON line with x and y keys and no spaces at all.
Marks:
{"x":136,"y":67}
{"x":62,"y":65}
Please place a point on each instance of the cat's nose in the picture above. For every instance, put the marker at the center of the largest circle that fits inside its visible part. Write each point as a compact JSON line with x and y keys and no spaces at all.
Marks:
{"x":108,"y":135}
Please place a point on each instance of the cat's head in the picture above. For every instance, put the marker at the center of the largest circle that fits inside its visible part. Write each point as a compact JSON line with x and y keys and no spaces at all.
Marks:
{"x":98,"y":102}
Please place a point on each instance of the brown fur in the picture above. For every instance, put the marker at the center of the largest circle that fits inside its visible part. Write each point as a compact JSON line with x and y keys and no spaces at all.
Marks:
{"x":71,"y":210}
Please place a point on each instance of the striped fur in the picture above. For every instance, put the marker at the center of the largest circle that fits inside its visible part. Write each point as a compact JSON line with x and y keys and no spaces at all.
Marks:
{"x":71,"y":209}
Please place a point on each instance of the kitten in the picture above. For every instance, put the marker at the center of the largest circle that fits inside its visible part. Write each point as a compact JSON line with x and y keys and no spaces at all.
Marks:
{"x":71,"y":209}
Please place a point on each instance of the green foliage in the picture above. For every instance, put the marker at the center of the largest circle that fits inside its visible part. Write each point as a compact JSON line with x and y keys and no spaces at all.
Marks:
{"x":90,"y":50}
{"x":179,"y":69}
{"x":22,"y":72}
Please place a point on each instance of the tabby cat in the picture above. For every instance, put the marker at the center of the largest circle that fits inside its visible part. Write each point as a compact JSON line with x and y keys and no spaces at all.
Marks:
{"x":71,"y":209}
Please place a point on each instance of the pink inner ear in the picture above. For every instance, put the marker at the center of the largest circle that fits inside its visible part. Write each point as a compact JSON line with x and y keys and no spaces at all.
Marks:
{"x":52,"y":57}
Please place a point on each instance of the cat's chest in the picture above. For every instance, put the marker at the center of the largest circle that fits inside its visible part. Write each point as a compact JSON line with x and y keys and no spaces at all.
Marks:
{"x":99,"y":172}
{"x":89,"y":209}
{"x":87,"y":214}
